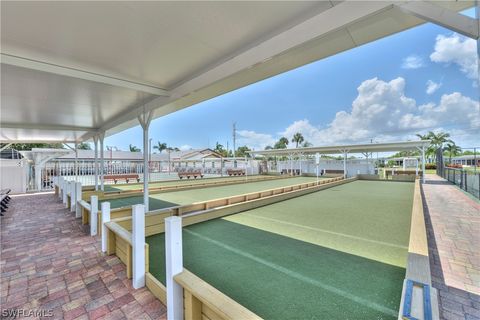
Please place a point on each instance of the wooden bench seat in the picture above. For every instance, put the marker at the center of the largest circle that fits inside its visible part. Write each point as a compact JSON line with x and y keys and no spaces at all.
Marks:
{"x":117,"y":177}
{"x":195,"y":174}
{"x":236,"y":172}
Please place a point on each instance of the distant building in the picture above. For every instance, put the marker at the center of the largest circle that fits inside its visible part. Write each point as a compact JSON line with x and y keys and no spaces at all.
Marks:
{"x":468,"y":160}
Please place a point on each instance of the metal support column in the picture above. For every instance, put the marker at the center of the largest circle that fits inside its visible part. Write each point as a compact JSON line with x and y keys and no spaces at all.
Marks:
{"x":95,"y":143}
{"x":76,"y":162}
{"x":102,"y":161}
{"x":345,"y":153}
{"x":423,"y":164}
{"x":145,"y":120}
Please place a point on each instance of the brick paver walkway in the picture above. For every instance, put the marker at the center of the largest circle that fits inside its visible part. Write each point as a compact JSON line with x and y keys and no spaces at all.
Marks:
{"x":49,"y":263}
{"x":453,"y":226}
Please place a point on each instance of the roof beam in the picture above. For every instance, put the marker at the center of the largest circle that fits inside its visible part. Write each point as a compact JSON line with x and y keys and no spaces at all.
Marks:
{"x":45,"y":127}
{"x":442,"y":16}
{"x":80,"y":74}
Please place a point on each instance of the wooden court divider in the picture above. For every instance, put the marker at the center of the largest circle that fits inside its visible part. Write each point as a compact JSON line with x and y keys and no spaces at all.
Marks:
{"x":110,"y":195}
{"x":212,"y":209}
{"x":418,"y":266}
{"x":126,"y":212}
{"x":203,"y":301}
{"x":119,"y":243}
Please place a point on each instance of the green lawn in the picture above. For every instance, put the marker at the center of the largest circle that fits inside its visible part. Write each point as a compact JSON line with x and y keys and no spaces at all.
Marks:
{"x":339,"y":253}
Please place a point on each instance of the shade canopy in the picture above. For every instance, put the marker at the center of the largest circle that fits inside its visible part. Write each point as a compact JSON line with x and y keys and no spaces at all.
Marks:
{"x":71,"y":70}
{"x":348,"y":148}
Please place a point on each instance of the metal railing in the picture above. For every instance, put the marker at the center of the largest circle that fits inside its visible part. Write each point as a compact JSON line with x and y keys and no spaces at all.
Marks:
{"x":466,"y":179}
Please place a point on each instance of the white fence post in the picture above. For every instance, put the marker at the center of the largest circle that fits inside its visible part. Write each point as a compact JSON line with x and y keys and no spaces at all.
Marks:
{"x":93,"y":215}
{"x":73,"y":196}
{"x":65,"y":193}
{"x":78,"y":197}
{"x":59,"y":184}
{"x":174,"y":261}
{"x":138,"y":245}
{"x":105,"y":219}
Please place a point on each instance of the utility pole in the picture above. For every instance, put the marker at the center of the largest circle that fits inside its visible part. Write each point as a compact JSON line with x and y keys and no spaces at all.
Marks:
{"x":234,"y":144}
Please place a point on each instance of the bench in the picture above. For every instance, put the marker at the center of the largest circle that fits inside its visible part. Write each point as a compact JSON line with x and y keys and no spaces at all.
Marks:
{"x":117,"y":177}
{"x":236,"y":172}
{"x":400,"y":172}
{"x":4,"y":199}
{"x":188,"y":174}
{"x":294,"y":172}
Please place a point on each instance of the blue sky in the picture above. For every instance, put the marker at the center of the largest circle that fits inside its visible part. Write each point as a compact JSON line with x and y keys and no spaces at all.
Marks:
{"x":375,"y":92}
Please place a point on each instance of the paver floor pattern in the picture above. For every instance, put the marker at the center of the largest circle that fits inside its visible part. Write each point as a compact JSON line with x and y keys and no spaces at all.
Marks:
{"x":49,"y":263}
{"x":453,"y":226}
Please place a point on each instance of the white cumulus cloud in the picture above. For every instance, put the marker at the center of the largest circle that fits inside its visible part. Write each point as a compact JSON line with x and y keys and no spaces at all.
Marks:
{"x":254,"y":140}
{"x":458,"y":50}
{"x":382,"y":112}
{"x":185,"y":147}
{"x":432,"y":86}
{"x":413,"y":62}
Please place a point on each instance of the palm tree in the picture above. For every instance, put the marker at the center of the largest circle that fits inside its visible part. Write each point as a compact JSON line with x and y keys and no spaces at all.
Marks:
{"x":133,"y":148}
{"x":307,"y":144}
{"x":160,"y":146}
{"x":281,"y":143}
{"x":452,"y":150}
{"x":437,"y":141}
{"x":297,"y":138}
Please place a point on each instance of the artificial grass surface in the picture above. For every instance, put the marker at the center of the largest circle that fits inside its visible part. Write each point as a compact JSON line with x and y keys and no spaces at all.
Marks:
{"x":281,"y":277}
{"x":366,"y":218}
{"x":169,"y":199}
{"x":175,"y":181}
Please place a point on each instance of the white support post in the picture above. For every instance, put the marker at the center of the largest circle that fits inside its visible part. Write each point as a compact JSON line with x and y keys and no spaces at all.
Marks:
{"x":65,"y":193}
{"x":291,"y":164}
{"x":73,"y":197}
{"x":93,"y":215}
{"x":95,"y":147}
{"x":423,"y":164}
{"x":102,"y":162}
{"x":78,"y":197}
{"x":345,"y":164}
{"x":174,"y":261}
{"x":246,"y":168}
{"x":60,"y":187}
{"x":105,"y":219}
{"x":76,"y":162}
{"x":145,"y":120}
{"x":138,"y":246}
{"x":300,"y":159}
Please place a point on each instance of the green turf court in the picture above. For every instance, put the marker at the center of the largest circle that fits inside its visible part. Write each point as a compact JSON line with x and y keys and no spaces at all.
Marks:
{"x":174,"y":182}
{"x":175,"y":198}
{"x":339,"y":253}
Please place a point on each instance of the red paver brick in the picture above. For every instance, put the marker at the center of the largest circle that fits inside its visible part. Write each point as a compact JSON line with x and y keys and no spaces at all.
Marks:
{"x":453,"y":229}
{"x":47,"y":261}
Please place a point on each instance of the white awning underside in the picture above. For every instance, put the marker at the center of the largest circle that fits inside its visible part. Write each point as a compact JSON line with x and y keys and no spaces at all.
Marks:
{"x":348,"y":148}
{"x":73,"y":69}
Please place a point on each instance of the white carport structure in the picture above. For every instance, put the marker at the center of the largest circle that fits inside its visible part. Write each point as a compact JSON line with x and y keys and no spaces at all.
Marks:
{"x":40,"y":157}
{"x":75,"y":71}
{"x":344,"y":150}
